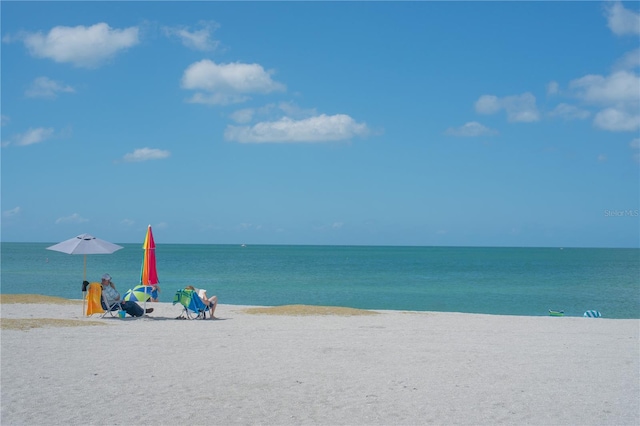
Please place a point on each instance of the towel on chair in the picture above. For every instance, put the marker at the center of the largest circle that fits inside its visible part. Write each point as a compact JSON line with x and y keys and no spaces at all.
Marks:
{"x":94,"y":296}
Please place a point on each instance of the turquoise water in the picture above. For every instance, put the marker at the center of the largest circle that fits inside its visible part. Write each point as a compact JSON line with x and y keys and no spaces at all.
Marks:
{"x":513,"y":281}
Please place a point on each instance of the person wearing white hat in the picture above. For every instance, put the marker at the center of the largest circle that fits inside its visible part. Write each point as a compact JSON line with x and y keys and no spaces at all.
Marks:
{"x":112,"y":296}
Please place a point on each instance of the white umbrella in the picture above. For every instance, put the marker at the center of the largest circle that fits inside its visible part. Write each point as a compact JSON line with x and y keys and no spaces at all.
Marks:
{"x":85,"y":244}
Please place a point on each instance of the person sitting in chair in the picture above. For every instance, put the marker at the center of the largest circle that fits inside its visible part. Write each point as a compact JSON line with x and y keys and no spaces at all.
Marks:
{"x":211,"y":302}
{"x":112,"y":296}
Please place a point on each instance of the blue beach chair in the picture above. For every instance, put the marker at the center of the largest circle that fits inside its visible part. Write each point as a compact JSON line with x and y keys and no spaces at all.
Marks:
{"x":192,"y":306}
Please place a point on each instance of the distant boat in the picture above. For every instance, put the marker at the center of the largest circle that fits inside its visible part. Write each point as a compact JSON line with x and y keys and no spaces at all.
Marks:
{"x":243,"y":245}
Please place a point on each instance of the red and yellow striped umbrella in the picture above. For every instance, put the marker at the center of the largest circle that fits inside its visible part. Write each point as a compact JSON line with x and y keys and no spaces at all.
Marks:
{"x":149,"y":275}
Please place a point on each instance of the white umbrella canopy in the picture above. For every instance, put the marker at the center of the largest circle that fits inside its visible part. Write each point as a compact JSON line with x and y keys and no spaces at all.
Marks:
{"x":85,"y":244}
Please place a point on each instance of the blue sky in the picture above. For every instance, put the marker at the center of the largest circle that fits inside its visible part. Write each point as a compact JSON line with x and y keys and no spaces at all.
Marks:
{"x":418,"y":123}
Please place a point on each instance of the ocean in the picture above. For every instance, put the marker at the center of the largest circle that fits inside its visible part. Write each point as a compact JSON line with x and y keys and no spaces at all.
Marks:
{"x":503,"y":281}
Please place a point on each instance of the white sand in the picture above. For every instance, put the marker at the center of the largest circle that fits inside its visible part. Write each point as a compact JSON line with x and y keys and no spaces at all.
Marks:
{"x":394,"y":368}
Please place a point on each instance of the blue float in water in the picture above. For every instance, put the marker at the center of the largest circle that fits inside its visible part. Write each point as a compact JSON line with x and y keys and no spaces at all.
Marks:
{"x":592,"y":314}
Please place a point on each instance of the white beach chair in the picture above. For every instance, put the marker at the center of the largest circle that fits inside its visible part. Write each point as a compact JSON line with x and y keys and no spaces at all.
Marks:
{"x":111,"y":309}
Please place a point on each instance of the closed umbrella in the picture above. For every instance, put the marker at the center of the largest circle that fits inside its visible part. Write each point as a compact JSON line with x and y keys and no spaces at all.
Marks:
{"x":85,"y":244}
{"x":149,"y":273}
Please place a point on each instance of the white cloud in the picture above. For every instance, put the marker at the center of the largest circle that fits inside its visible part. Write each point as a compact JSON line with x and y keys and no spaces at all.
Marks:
{"x":519,"y":108}
{"x":619,"y":87}
{"x":629,"y":61}
{"x":145,"y":154}
{"x":74,"y":218}
{"x":470,"y":129}
{"x":552,"y":88}
{"x":322,"y":128}
{"x":44,"y":87}
{"x":617,"y":120}
{"x":569,"y":112}
{"x":622,"y":21}
{"x":4,"y":120}
{"x":602,"y":158}
{"x":127,"y":222}
{"x":619,"y":96}
{"x":82,"y":46}
{"x":243,"y":116}
{"x":32,"y":136}
{"x":196,"y":39}
{"x":222,"y":84}
{"x":273,"y":112}
{"x":487,"y":104}
{"x":13,"y":212}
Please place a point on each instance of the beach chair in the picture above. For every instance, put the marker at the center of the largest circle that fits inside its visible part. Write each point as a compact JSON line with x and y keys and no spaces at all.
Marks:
{"x":192,"y":306}
{"x":94,"y":299}
{"x":110,"y":309}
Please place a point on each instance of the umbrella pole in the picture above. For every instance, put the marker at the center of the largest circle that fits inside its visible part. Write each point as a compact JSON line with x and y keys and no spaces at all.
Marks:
{"x":84,"y":293}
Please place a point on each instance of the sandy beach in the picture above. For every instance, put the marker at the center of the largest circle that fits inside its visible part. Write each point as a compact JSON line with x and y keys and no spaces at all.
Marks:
{"x":303,"y":367}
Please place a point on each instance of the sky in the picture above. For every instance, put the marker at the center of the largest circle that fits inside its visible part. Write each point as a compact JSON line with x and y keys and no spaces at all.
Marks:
{"x":336,"y":123}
